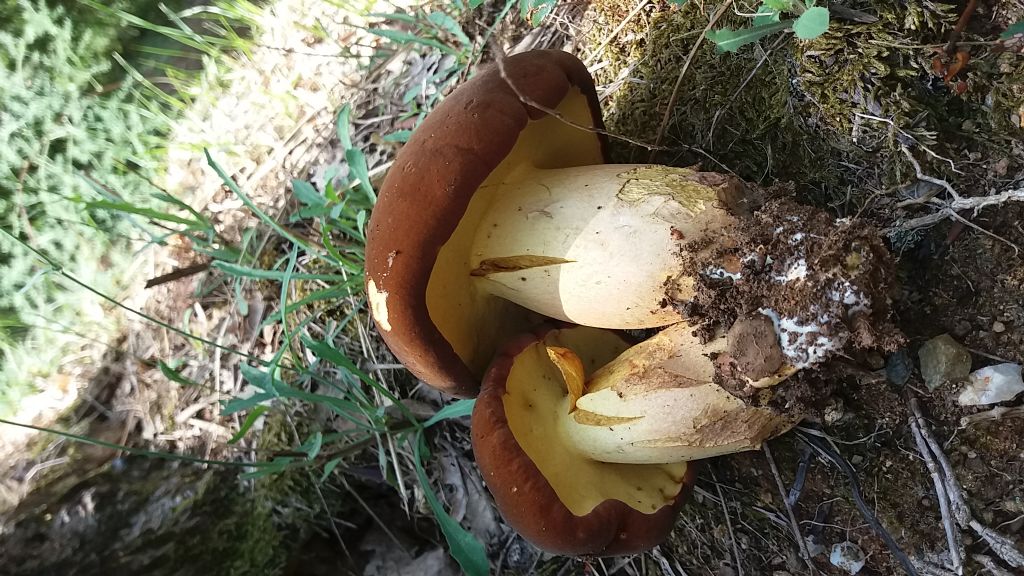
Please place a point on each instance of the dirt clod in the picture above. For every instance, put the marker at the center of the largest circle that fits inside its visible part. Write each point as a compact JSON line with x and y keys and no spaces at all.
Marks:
{"x":754,"y":346}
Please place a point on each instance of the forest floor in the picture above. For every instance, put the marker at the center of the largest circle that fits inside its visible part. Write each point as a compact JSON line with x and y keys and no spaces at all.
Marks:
{"x":856,"y":122}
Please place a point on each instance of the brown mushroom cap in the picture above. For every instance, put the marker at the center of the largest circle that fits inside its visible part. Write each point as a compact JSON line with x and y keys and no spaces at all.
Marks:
{"x":458,"y":147}
{"x":563,"y":502}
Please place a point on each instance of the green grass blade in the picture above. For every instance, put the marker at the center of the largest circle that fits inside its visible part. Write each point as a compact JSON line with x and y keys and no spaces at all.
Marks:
{"x":130,"y":450}
{"x":463,"y":546}
{"x":279,"y":275}
{"x":250,"y":420}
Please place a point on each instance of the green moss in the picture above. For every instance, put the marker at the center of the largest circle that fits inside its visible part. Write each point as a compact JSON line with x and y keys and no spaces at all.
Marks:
{"x":791,"y":110}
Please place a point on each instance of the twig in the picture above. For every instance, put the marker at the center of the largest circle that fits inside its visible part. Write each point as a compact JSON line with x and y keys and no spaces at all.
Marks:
{"x":996,"y":413}
{"x":177,"y":274}
{"x":728,"y":525}
{"x":794,"y":525}
{"x":820,"y":442}
{"x":952,"y":534}
{"x":663,"y":563}
{"x":926,"y":178}
{"x":499,"y":60}
{"x":990,"y":565}
{"x":679,"y":79}
{"x":1001,"y":545}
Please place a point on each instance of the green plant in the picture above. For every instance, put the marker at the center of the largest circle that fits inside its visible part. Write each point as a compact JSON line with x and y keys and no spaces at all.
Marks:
{"x":811,"y":21}
{"x":67,"y":141}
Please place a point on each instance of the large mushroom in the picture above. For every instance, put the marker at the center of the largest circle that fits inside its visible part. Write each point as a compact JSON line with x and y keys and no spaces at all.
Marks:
{"x":497,"y":214}
{"x":586,"y":444}
{"x":560,"y":499}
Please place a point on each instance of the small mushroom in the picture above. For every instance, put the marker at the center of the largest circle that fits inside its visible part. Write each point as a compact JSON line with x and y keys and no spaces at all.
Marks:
{"x":558,"y":498}
{"x":495,"y":208}
{"x":584,"y":443}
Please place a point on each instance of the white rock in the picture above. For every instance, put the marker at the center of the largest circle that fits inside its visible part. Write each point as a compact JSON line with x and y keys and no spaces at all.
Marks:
{"x":848,"y":556}
{"x":992,"y":384}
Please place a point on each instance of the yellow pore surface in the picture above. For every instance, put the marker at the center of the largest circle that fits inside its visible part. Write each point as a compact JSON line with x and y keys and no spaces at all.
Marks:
{"x":534,"y":401}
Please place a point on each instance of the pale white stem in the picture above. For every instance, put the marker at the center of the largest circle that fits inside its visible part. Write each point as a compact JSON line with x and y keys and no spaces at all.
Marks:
{"x":594,"y":245}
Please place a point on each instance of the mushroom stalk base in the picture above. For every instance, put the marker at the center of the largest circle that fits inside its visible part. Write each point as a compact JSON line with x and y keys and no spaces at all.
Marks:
{"x":595,"y":245}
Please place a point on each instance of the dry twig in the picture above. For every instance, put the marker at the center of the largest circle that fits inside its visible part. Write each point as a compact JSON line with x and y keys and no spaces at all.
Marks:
{"x":793,"y":524}
{"x":948,"y":523}
{"x":1003,"y":547}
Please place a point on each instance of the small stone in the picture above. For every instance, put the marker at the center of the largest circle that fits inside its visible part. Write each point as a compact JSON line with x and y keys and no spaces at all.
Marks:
{"x":943,"y":359}
{"x":857,"y":459}
{"x":992,"y":384}
{"x":962,"y":328}
{"x":814,"y":548}
{"x":998,"y":327}
{"x":972,"y":454}
{"x":847,"y":556}
{"x":898,"y":367}
{"x":834,"y":412}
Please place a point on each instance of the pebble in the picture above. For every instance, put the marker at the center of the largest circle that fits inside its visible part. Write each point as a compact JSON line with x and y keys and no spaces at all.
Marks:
{"x":857,"y":459}
{"x":847,"y":556}
{"x":962,"y":328}
{"x":898,"y":367}
{"x":992,"y":384}
{"x":943,"y":359}
{"x":813,"y":547}
{"x":998,"y":327}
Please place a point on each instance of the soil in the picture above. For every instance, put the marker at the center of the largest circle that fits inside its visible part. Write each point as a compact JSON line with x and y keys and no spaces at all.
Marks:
{"x":824,"y":283}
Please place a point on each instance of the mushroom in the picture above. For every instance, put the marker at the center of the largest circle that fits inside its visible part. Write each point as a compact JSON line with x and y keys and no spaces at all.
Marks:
{"x":497,"y":214}
{"x":600,"y":464}
{"x":555,"y":496}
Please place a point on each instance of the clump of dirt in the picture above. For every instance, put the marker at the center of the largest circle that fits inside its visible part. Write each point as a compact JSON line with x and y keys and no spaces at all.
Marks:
{"x":791,"y":285}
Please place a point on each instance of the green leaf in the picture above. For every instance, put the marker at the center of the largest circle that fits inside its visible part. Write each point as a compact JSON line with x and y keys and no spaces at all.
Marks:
{"x":278,"y":465}
{"x":280,"y":275}
{"x":341,"y":125}
{"x":727,"y":40}
{"x":779,"y":5}
{"x":812,"y":23}
{"x":677,"y":2}
{"x":766,"y":15}
{"x":174,"y":376}
{"x":242,"y":404}
{"x":358,"y":169}
{"x":404,"y":38}
{"x":535,"y":11}
{"x":142,"y":211}
{"x":307,"y":194}
{"x":312,"y":446}
{"x":251,"y":419}
{"x":397,"y":136}
{"x":328,"y":468}
{"x":258,"y":378}
{"x":456,"y":409}
{"x":1013,"y":30}
{"x":464,"y":547}
{"x":450,"y":25}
